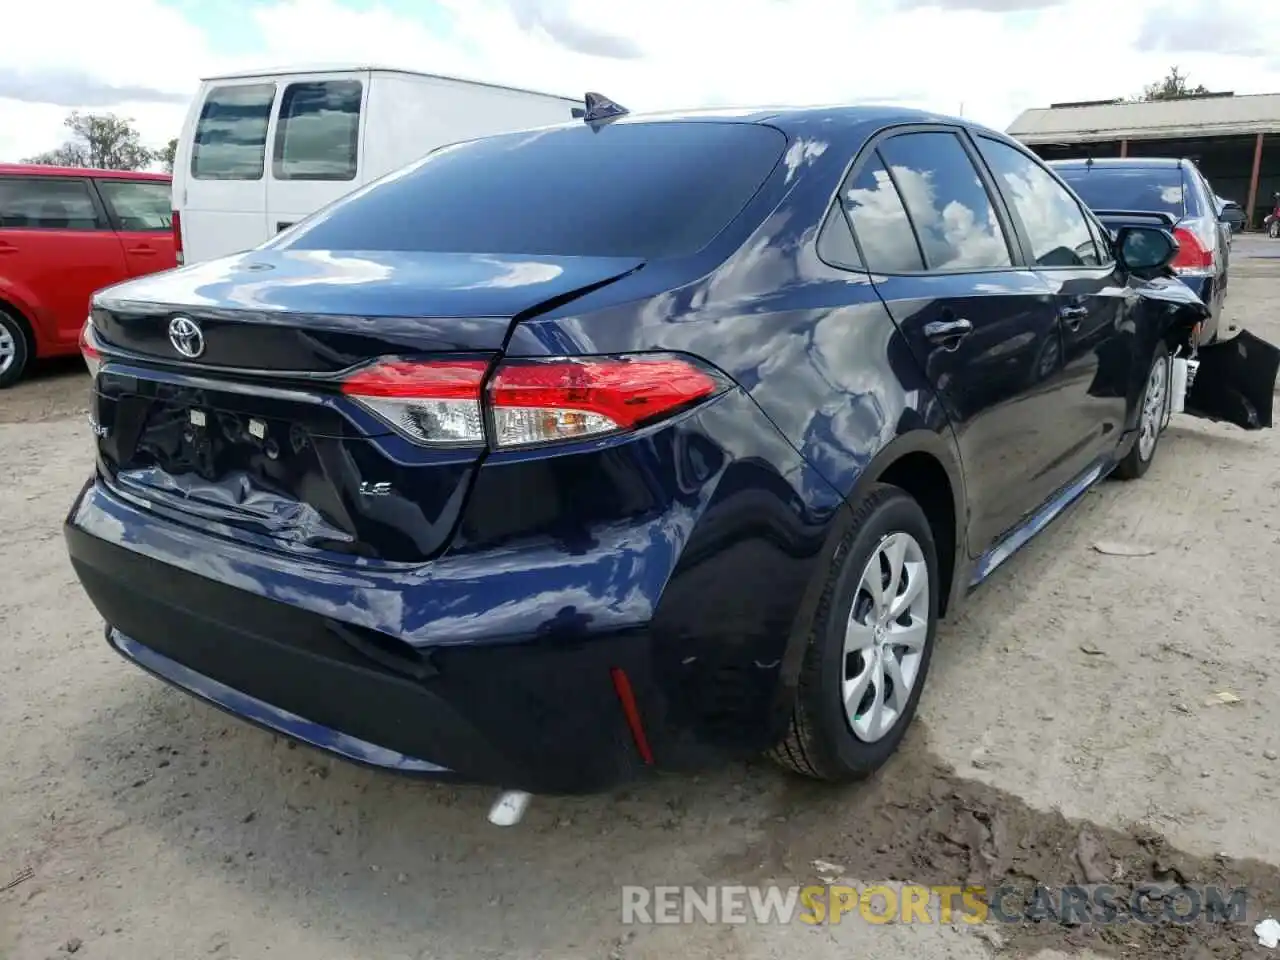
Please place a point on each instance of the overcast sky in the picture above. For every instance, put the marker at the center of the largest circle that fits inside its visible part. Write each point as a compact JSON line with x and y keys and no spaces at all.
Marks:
{"x":143,"y":58}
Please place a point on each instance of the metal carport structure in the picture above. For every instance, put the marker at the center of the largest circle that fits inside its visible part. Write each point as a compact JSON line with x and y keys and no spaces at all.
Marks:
{"x":1235,"y":140}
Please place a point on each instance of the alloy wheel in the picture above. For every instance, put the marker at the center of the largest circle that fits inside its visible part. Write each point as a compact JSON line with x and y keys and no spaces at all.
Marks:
{"x":8,"y":349}
{"x":1153,"y":408}
{"x":885,"y":637}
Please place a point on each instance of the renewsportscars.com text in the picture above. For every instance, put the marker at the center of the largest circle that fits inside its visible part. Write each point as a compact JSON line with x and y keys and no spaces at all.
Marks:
{"x":913,"y":903}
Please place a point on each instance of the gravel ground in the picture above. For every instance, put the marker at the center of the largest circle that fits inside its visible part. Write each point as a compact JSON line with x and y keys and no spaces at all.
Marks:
{"x":1065,"y":730}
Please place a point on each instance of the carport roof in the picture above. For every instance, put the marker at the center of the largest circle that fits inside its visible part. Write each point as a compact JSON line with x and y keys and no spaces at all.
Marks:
{"x":1213,"y":116}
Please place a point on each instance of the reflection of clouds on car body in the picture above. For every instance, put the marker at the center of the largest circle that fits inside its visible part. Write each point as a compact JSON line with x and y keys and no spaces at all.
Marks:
{"x":955,"y":236}
{"x":801,"y":153}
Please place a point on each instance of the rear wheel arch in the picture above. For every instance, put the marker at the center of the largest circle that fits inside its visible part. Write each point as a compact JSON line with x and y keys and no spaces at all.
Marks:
{"x":21,"y":319}
{"x":916,"y":461}
{"x":921,"y":474}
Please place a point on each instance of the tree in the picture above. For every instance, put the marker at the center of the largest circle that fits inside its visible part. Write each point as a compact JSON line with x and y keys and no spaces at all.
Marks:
{"x":1172,"y":87}
{"x":100,"y":140}
{"x":167,"y":154}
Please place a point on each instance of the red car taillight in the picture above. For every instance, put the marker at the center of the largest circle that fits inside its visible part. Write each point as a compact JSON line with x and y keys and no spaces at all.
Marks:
{"x":92,"y":356}
{"x":1192,"y":254}
{"x":177,"y":238}
{"x":444,"y":402}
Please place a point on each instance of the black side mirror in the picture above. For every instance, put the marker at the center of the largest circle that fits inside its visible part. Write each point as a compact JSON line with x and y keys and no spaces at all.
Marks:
{"x":1145,"y":251}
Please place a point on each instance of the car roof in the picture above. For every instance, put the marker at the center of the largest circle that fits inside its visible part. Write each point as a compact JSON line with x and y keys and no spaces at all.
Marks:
{"x":1130,"y":163}
{"x":807,"y":121}
{"x":44,"y":170}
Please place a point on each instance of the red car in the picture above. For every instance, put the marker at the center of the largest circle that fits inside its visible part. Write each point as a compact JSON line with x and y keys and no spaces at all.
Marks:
{"x":64,"y":233}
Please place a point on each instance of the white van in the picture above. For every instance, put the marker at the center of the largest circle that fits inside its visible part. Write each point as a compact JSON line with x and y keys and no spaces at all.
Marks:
{"x":330,"y":131}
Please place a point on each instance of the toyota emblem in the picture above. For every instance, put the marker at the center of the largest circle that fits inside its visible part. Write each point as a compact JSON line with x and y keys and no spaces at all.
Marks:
{"x":185,"y":335}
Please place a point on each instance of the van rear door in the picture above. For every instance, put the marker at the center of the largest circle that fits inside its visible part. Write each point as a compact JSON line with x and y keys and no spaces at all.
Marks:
{"x":224,"y":194}
{"x":316,"y":138}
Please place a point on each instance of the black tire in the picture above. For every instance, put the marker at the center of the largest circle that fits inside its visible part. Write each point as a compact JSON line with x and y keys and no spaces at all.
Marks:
{"x":1134,"y":464}
{"x":820,"y":742}
{"x":17,"y":334}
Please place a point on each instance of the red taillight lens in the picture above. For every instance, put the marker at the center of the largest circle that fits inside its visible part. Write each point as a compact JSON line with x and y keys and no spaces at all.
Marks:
{"x":545,"y":400}
{"x":92,"y":355}
{"x":1192,"y":254}
{"x":442,"y":402}
{"x":435,"y":402}
{"x":177,"y":238}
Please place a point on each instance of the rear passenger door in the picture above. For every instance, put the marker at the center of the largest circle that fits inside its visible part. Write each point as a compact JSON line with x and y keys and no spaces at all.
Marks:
{"x":141,"y":211}
{"x":224,"y":205}
{"x":56,"y":249}
{"x":984,"y":329}
{"x":315,"y":145}
{"x":1071,"y":253}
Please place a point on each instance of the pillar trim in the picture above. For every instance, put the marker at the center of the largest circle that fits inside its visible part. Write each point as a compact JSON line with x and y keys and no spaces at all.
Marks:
{"x":1253,"y":183}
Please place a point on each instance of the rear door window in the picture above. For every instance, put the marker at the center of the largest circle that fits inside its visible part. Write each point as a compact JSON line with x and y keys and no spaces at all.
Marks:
{"x":139,"y":205}
{"x":1146,"y":189}
{"x":649,"y":190}
{"x":318,"y":131}
{"x":879,"y":220}
{"x":47,"y":203}
{"x":949,"y":206}
{"x":1051,"y":217}
{"x":231,"y":134}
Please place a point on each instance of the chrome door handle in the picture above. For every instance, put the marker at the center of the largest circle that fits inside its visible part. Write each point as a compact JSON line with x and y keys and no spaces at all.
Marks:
{"x":948,"y":333}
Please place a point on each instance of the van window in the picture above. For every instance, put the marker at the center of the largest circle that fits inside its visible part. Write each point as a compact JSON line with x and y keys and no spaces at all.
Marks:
{"x":318,"y":133}
{"x":139,"y":204}
{"x":46,"y":203}
{"x":231,"y":135}
{"x":659,"y":189}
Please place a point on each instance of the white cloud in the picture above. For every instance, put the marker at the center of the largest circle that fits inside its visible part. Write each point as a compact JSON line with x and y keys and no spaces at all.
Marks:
{"x":939,"y":55}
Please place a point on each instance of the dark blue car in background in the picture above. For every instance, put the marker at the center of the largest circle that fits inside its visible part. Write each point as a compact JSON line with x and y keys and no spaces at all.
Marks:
{"x":634,"y":443}
{"x":1168,"y":192}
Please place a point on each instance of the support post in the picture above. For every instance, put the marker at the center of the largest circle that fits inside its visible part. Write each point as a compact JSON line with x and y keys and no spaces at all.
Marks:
{"x":1124,"y":148}
{"x":1253,"y":183}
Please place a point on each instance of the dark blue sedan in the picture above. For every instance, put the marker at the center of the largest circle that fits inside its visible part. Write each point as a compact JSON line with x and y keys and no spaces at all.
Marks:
{"x":633,"y":443}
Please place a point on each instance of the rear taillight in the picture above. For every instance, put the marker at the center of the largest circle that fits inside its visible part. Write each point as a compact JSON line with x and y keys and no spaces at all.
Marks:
{"x":88,"y":349}
{"x":177,"y":238}
{"x":528,"y":402}
{"x":436,"y":402}
{"x":545,"y":400}
{"x":1193,"y":254}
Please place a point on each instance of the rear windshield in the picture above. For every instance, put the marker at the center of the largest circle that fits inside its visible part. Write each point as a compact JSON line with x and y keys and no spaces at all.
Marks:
{"x":1149,"y":189}
{"x":627,"y":190}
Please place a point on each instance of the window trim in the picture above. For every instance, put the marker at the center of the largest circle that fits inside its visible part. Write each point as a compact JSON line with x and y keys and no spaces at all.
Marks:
{"x":1110,"y":261}
{"x":116,"y":223}
{"x":1085,"y":213}
{"x":102,"y":223}
{"x":870,"y":146}
{"x":835,"y":215}
{"x":280,"y":125}
{"x":266,"y":131}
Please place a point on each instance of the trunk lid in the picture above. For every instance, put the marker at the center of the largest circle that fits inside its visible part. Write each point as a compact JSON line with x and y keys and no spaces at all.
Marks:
{"x":252,"y":437}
